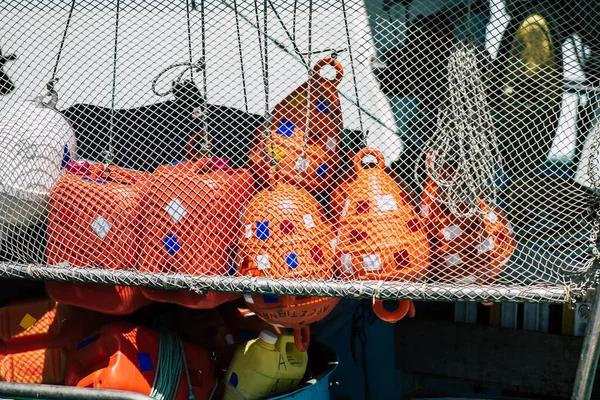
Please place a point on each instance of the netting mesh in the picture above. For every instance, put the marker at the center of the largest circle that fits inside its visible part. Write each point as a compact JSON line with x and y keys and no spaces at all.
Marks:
{"x":443,"y":150}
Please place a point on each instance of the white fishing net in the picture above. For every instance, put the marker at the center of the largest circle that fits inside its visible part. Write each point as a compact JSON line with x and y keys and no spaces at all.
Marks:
{"x":441,"y":150}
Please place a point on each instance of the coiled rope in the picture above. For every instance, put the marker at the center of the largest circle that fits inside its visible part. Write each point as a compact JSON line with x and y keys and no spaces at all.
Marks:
{"x":463,"y":155}
{"x":171,"y":357}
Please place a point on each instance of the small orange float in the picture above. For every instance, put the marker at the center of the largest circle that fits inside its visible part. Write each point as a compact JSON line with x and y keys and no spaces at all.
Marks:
{"x":295,"y":312}
{"x":467,"y":250}
{"x":298,"y":128}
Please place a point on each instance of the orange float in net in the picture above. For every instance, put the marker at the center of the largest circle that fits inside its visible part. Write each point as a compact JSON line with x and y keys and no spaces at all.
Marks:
{"x":295,"y":312}
{"x":466,"y":250}
{"x":286,"y":235}
{"x":304,"y":139}
{"x":380,"y":236}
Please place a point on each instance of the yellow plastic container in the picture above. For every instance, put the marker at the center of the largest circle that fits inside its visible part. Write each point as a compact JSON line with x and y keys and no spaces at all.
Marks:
{"x":264,"y":367}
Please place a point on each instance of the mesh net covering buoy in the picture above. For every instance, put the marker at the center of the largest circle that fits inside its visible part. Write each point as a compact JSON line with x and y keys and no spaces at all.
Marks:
{"x":305,"y":133}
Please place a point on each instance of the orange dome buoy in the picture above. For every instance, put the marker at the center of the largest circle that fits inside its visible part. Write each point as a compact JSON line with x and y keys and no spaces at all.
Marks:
{"x":304,"y":140}
{"x":380,"y":236}
{"x":286,"y":235}
{"x":294,"y":312}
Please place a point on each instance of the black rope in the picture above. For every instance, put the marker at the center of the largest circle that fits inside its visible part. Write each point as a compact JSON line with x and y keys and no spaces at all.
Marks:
{"x":189,"y":33}
{"x":291,"y":37}
{"x":294,"y":20}
{"x":203,"y":44}
{"x":109,"y":154}
{"x":53,"y":80}
{"x":361,"y":318}
{"x":239,"y":39}
{"x":360,"y":119}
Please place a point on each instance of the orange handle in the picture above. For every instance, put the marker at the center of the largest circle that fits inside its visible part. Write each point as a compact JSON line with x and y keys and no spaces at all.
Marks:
{"x":302,"y":338}
{"x":115,"y":174}
{"x":335,"y":64}
{"x":405,"y":307}
{"x":368,"y":151}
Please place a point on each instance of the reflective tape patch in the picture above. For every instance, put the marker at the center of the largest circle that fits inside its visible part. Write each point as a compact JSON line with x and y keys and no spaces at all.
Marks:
{"x":387,"y":203}
{"x":465,"y":280}
{"x":87,"y":341}
{"x":371,"y":262}
{"x":291,"y":261}
{"x":347,"y":263}
{"x":176,"y":210}
{"x":453,"y":260}
{"x":331,"y":144}
{"x":346,"y":207}
{"x":485,"y":246}
{"x":309,"y":223}
{"x":262,"y":230}
{"x":263,"y":262}
{"x":451,"y":232}
{"x":491,"y":216}
{"x":171,"y":244}
{"x":101,"y":227}
{"x":302,"y":164}
{"x":424,"y":211}
{"x":144,"y":361}
{"x":248,"y":299}
{"x":27,"y":321}
{"x":248,"y":231}
{"x":286,"y":128}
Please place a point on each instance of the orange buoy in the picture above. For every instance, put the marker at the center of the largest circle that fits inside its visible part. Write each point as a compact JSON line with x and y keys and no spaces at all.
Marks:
{"x":191,"y":213}
{"x":466,"y":250}
{"x":295,"y":312}
{"x":304,"y":138}
{"x":94,"y":222}
{"x":286,"y":235}
{"x":380,"y":236}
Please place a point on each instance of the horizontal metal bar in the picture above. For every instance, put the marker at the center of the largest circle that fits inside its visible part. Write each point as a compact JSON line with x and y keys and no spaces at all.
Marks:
{"x":385,"y":290}
{"x":51,"y":392}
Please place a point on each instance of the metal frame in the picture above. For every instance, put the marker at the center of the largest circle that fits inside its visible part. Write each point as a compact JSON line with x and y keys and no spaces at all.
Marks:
{"x":352,"y":289}
{"x":52,"y":392}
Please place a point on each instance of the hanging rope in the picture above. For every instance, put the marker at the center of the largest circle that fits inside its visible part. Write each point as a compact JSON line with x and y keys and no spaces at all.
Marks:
{"x":302,"y":163}
{"x":189,"y":33}
{"x":360,"y":118}
{"x":109,"y":154}
{"x":239,"y":40}
{"x":53,"y":80}
{"x":463,"y":155}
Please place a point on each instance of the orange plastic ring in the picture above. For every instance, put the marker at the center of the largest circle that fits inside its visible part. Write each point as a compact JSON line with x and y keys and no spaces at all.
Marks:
{"x":302,"y":338}
{"x":368,"y":151}
{"x":404,"y":308}
{"x":335,"y":64}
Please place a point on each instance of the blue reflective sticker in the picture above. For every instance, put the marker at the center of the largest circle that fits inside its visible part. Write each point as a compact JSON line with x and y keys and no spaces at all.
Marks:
{"x":291,"y":260}
{"x":144,"y":361}
{"x":171,"y":244}
{"x":66,"y":157}
{"x":322,"y":170}
{"x":87,"y":341}
{"x":270,"y":299}
{"x":231,"y":269}
{"x":323,"y":106}
{"x":94,"y":180}
{"x":177,"y":162}
{"x":286,"y":128}
{"x":234,"y":380}
{"x":262,"y":230}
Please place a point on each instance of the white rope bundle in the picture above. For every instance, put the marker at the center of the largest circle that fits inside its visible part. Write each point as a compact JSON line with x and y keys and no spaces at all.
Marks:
{"x":463,"y":155}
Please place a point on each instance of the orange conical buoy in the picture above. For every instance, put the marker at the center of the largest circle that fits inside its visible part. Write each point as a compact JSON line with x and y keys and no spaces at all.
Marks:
{"x":379,"y":234}
{"x":304,"y":138}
